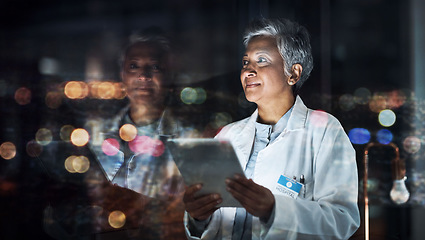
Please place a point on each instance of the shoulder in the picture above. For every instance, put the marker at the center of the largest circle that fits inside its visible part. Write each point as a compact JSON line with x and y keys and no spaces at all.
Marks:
{"x":233,"y":128}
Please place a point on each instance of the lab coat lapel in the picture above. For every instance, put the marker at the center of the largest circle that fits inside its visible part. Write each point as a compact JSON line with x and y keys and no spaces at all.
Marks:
{"x":244,"y":140}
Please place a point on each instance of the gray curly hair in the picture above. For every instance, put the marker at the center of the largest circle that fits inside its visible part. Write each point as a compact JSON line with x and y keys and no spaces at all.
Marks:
{"x":151,"y":35}
{"x":293,"y":42}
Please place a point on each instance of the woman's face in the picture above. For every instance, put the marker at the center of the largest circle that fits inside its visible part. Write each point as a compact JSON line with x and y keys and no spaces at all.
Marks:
{"x":262,"y":76}
{"x":144,"y":74}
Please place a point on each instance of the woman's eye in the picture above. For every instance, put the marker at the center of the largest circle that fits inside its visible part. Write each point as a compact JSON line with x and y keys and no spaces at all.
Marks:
{"x":262,"y":60}
{"x":244,"y":62}
{"x":132,"y":66}
{"x":156,"y":67}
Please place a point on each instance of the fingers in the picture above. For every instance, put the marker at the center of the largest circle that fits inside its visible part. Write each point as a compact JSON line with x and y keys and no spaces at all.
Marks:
{"x":256,"y":199}
{"x":200,"y":207}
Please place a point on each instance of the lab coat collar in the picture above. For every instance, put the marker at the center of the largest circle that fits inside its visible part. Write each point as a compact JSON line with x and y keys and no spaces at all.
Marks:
{"x":298,"y":117}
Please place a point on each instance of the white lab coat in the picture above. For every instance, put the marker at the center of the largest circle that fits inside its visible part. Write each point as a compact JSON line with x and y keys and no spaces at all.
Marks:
{"x":313,"y":144}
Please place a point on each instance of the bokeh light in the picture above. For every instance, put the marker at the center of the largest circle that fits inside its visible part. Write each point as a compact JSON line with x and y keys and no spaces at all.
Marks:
{"x":412,"y":144}
{"x":48,"y":66}
{"x":201,"y":95}
{"x":116,"y":219}
{"x":106,"y":90}
{"x":23,"y":96}
{"x":220,"y":119}
{"x":69,"y":166}
{"x":378,"y":102}
{"x":128,"y":132}
{"x":141,"y":144}
{"x":359,"y":135}
{"x":387,"y":118}
{"x":384,"y":136}
{"x":346,"y":102}
{"x":81,"y":164}
{"x":396,"y":99}
{"x":120,"y":92}
{"x":110,"y":146}
{"x":79,"y":137}
{"x":319,"y":118}
{"x":188,"y":95}
{"x":76,"y":90}
{"x":362,"y":95}
{"x":43,"y":136}
{"x":53,"y":99}
{"x":7,"y":150}
{"x":158,"y":147}
{"x":34,"y":149}
{"x":65,"y":132}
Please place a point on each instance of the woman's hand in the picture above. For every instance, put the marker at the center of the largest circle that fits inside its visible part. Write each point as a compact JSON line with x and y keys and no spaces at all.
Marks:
{"x":200,"y":207}
{"x":256,"y":199}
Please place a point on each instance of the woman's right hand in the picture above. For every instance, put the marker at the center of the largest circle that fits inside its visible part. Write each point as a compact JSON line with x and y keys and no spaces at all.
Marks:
{"x":200,"y":207}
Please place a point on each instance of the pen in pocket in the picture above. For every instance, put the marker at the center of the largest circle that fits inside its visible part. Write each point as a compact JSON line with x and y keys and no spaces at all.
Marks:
{"x":302,"y":180}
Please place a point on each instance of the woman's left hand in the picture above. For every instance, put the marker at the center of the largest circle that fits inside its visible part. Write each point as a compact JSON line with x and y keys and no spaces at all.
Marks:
{"x":256,"y":199}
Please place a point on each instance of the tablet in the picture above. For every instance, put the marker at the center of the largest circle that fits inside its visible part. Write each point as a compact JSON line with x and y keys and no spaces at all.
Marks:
{"x":207,"y":161}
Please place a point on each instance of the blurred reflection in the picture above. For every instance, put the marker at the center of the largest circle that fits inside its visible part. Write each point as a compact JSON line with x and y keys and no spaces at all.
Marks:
{"x":130,"y":146}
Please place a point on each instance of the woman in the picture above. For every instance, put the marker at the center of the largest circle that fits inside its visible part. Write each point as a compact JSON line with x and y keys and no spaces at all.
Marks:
{"x":300,"y":168}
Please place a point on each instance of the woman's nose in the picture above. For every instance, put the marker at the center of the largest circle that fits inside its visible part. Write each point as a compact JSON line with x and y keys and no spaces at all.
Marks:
{"x":249,"y":72}
{"x":145,"y":74}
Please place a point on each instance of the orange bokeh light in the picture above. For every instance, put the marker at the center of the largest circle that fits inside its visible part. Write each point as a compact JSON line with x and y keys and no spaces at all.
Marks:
{"x":116,"y":219}
{"x":76,"y":90}
{"x":128,"y":132}
{"x":79,"y":137}
{"x":7,"y":150}
{"x":106,"y":90}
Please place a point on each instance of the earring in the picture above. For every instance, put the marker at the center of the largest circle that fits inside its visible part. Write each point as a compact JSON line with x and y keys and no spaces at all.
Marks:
{"x":291,"y":83}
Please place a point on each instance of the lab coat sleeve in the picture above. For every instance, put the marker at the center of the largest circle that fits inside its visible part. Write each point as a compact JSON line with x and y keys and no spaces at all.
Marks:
{"x":331,"y":212}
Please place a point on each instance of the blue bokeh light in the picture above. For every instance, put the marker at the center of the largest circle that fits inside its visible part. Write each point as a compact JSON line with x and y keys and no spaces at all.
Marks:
{"x":359,"y":135}
{"x":384,"y":136}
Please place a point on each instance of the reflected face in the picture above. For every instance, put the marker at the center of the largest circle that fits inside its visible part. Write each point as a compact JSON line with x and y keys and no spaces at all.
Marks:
{"x":144,"y":74}
{"x":262,"y":75}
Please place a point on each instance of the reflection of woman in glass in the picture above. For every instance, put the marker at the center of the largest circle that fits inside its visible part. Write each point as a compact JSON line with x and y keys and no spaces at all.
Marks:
{"x":301,"y":174}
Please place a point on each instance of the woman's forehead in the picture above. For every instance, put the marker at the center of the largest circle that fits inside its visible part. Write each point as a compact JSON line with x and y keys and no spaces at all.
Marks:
{"x":145,"y":50}
{"x":262,"y":43}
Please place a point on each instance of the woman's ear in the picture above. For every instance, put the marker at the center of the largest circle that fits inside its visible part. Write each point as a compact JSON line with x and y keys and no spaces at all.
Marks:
{"x":296,"y":71}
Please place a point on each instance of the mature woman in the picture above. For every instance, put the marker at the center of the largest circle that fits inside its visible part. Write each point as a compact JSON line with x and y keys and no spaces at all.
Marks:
{"x":300,"y":171}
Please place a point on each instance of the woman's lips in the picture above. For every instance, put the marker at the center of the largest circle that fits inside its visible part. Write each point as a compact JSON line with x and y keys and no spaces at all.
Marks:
{"x":252,"y":85}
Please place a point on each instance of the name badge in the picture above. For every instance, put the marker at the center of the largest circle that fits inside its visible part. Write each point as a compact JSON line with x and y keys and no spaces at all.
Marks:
{"x":288,"y":186}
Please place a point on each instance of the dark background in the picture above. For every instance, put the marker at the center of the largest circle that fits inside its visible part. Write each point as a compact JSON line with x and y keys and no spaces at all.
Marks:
{"x":363,"y":43}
